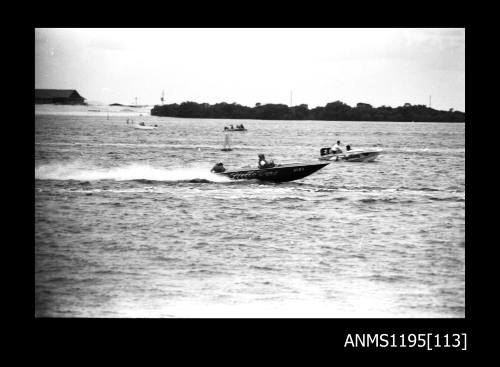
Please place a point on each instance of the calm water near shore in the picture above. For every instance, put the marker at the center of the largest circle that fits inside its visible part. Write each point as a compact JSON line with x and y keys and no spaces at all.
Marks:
{"x":131,"y":223}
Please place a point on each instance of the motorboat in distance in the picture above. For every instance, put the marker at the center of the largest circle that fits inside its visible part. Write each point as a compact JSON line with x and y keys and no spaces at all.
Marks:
{"x":353,"y":155}
{"x":236,"y":129}
{"x":142,"y":126}
{"x":278,"y":173}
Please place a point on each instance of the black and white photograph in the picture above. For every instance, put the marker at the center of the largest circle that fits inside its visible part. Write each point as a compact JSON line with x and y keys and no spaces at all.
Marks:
{"x":249,"y":173}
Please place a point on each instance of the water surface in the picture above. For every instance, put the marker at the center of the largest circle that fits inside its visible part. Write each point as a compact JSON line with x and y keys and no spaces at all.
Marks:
{"x":132,"y":223}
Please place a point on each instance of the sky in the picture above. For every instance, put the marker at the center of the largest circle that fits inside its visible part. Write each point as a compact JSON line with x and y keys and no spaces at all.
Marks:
{"x":312,"y":66}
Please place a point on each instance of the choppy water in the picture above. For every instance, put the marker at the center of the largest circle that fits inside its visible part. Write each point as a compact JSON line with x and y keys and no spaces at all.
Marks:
{"x":132,"y":223}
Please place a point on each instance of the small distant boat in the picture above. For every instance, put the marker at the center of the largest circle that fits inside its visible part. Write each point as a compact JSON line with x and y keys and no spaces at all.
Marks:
{"x":145,"y":127}
{"x":142,"y":126}
{"x":237,"y":128}
{"x":278,"y":173}
{"x":354,"y":155}
{"x":94,"y":110}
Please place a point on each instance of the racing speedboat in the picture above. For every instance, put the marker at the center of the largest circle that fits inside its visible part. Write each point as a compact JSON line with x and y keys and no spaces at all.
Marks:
{"x":278,"y":173}
{"x":353,"y":155}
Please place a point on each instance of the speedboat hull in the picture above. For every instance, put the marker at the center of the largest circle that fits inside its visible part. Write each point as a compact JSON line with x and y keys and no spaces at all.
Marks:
{"x":282,"y":173}
{"x":236,"y":130}
{"x":139,"y":127}
{"x":352,"y":156}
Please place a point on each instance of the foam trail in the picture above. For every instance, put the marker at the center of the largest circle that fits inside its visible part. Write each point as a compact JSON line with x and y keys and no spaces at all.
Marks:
{"x":77,"y":171}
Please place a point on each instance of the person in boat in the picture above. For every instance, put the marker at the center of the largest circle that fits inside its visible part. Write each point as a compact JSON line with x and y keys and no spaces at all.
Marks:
{"x":219,"y":167}
{"x":232,"y":127}
{"x":348,"y":147}
{"x":242,"y":127}
{"x":225,"y":128}
{"x":263,"y":163}
{"x":336,"y":148}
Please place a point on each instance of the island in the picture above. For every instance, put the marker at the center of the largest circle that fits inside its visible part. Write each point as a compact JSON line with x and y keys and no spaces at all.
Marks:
{"x":334,"y":111}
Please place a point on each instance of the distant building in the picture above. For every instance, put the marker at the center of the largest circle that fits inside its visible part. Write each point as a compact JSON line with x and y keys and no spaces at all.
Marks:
{"x":58,"y":96}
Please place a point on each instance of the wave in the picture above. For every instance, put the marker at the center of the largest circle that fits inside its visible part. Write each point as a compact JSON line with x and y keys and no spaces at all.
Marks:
{"x":385,"y":200}
{"x":133,"y":172}
{"x":263,"y":268}
{"x":287,"y":199}
{"x":449,"y":198}
{"x":164,"y":258}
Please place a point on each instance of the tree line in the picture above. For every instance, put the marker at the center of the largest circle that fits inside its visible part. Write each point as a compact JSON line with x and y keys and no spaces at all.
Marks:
{"x":334,"y":111}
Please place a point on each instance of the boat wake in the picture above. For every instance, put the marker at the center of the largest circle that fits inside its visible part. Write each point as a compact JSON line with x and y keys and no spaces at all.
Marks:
{"x":133,"y":172}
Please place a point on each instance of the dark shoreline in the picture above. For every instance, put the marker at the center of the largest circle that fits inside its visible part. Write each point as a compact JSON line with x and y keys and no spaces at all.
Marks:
{"x":335,"y":111}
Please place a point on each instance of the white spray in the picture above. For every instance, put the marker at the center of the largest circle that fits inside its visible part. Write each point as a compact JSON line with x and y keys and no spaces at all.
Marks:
{"x":79,"y":171}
